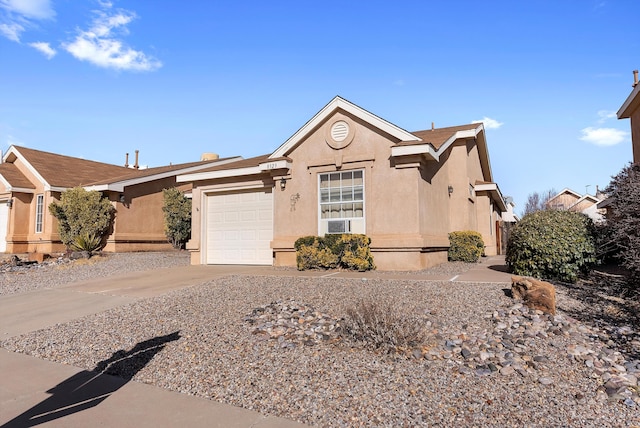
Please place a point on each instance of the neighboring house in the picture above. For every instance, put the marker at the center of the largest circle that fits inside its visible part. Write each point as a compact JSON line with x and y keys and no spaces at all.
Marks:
{"x":631,"y":110}
{"x":569,"y":200}
{"x":31,"y":179}
{"x":510,"y":216}
{"x":348,"y":170}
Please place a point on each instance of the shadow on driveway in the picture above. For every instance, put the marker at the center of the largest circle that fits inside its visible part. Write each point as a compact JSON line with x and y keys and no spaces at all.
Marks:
{"x":87,"y":389}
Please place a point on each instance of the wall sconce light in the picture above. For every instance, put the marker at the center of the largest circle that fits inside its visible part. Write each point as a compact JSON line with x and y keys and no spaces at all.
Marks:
{"x":283,"y":183}
{"x":450,"y":189}
{"x":10,"y":203}
{"x":122,"y":198}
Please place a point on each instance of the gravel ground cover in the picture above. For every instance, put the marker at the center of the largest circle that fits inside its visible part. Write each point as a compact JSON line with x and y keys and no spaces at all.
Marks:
{"x":60,"y":271}
{"x":520,"y":368}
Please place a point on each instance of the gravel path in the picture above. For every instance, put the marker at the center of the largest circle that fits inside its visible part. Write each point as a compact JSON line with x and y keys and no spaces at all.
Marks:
{"x":487,"y":361}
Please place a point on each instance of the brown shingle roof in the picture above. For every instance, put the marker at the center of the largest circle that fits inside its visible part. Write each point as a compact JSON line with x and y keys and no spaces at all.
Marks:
{"x":437,"y":137}
{"x":242,"y":163}
{"x":14,"y":177}
{"x":66,"y":171}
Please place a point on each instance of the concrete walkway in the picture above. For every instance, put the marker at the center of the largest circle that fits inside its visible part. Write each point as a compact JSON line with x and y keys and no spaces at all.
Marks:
{"x":37,"y":392}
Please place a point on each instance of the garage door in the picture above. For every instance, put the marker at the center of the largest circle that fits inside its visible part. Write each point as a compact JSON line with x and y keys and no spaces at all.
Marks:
{"x":4,"y":219}
{"x":239,"y":228}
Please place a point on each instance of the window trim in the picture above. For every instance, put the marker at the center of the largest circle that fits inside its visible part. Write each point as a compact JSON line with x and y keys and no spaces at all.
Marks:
{"x":320,"y":204}
{"x":39,"y":220}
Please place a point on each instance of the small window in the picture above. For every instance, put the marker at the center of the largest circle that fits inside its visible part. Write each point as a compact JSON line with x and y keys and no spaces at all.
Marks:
{"x":39,"y":212}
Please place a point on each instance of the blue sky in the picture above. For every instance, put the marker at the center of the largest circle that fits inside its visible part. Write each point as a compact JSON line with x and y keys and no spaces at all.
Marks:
{"x":97,"y":79}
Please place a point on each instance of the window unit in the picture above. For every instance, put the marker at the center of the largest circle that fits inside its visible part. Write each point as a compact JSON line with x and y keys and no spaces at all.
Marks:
{"x":39,"y":212}
{"x":341,"y":202}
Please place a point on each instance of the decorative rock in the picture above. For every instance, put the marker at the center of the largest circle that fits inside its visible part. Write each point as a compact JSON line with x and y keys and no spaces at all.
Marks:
{"x":537,"y":295}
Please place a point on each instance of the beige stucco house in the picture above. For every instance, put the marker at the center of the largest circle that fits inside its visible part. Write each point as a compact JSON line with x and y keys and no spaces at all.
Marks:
{"x":630,"y":109}
{"x":348,"y":170}
{"x":31,"y":179}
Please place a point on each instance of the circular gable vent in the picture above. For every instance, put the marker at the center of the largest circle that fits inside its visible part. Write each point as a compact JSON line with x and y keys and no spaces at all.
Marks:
{"x":339,"y":131}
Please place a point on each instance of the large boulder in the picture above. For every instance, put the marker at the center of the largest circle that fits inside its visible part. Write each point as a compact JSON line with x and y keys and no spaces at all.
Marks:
{"x":534,"y":293}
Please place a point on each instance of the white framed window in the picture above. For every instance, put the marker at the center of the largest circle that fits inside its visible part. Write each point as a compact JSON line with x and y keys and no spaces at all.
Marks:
{"x":39,"y":212}
{"x":341,"y":202}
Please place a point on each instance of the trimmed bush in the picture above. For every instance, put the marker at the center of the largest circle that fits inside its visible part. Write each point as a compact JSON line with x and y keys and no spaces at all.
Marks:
{"x":552,"y":245}
{"x":346,"y":251}
{"x":81,"y":215}
{"x":465,"y":246}
{"x":177,"y":217}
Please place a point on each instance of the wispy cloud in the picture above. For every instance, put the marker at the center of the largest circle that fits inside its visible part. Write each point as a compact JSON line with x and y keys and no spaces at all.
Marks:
{"x":489,"y":123}
{"x":605,"y":115}
{"x":398,"y":82}
{"x":11,"y":31}
{"x":18,"y":15}
{"x":102,"y":43}
{"x":44,"y":47}
{"x":31,"y":9}
{"x":603,"y":136}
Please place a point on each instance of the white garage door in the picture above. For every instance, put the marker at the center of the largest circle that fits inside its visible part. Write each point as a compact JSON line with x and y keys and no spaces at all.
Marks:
{"x":4,"y":219}
{"x":239,"y":228}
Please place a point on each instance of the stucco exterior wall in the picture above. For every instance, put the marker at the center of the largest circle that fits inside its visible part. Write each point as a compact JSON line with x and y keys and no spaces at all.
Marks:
{"x":635,"y":135}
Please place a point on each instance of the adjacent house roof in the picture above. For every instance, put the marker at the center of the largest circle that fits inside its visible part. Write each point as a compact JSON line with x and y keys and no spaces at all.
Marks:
{"x":59,"y":172}
{"x":13,"y":179}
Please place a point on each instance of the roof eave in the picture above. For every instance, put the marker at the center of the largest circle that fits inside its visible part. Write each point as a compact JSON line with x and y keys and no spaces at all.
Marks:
{"x":631,"y":104}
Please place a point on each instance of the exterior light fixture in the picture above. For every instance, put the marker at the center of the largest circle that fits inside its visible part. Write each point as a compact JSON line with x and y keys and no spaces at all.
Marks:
{"x":122,"y":198}
{"x":10,"y":203}
{"x":450,"y":189}
{"x":283,"y":183}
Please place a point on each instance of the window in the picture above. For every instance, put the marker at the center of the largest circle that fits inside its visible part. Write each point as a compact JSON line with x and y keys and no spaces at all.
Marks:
{"x":39,"y":212}
{"x":341,"y":202}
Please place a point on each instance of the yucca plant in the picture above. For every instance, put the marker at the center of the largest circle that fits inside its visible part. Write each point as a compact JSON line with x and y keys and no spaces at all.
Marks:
{"x":87,"y":243}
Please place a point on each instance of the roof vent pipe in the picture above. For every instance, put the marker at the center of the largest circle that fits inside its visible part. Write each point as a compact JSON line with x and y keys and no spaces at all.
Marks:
{"x":635,"y":78}
{"x":136,"y":166}
{"x":126,"y":161}
{"x":433,"y":126}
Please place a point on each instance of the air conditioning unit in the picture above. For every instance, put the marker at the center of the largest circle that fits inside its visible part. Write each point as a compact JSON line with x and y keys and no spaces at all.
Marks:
{"x":339,"y":226}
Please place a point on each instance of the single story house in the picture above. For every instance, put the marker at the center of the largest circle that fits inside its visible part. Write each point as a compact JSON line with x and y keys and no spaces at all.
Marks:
{"x":31,"y":179}
{"x":349,"y":171}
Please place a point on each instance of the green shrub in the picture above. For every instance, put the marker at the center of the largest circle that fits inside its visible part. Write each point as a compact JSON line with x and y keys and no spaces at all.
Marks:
{"x":465,"y":246}
{"x":87,"y":243}
{"x":384,"y":326}
{"x":346,"y":251}
{"x":177,"y":217}
{"x":314,"y":256}
{"x":355,"y":253}
{"x":82,"y":213}
{"x":552,"y":244}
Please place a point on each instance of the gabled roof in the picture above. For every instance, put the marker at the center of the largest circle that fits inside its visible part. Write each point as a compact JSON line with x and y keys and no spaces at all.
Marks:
{"x":335,"y":104}
{"x":566,"y":190}
{"x":438,"y":137}
{"x":14,"y":180}
{"x":59,"y":172}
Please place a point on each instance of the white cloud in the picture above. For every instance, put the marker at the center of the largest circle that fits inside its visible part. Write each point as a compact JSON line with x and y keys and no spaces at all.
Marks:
{"x":44,"y":48}
{"x":489,"y":123}
{"x":605,"y":115}
{"x":12,"y":31}
{"x":32,"y":9}
{"x":18,"y":15}
{"x":603,"y":136}
{"x":101,"y":46}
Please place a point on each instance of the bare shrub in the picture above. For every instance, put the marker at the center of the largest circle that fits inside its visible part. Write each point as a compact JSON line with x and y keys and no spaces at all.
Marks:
{"x":383,"y":326}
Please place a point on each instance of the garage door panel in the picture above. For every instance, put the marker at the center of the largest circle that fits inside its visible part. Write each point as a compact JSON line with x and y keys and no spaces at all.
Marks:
{"x":239,"y":228}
